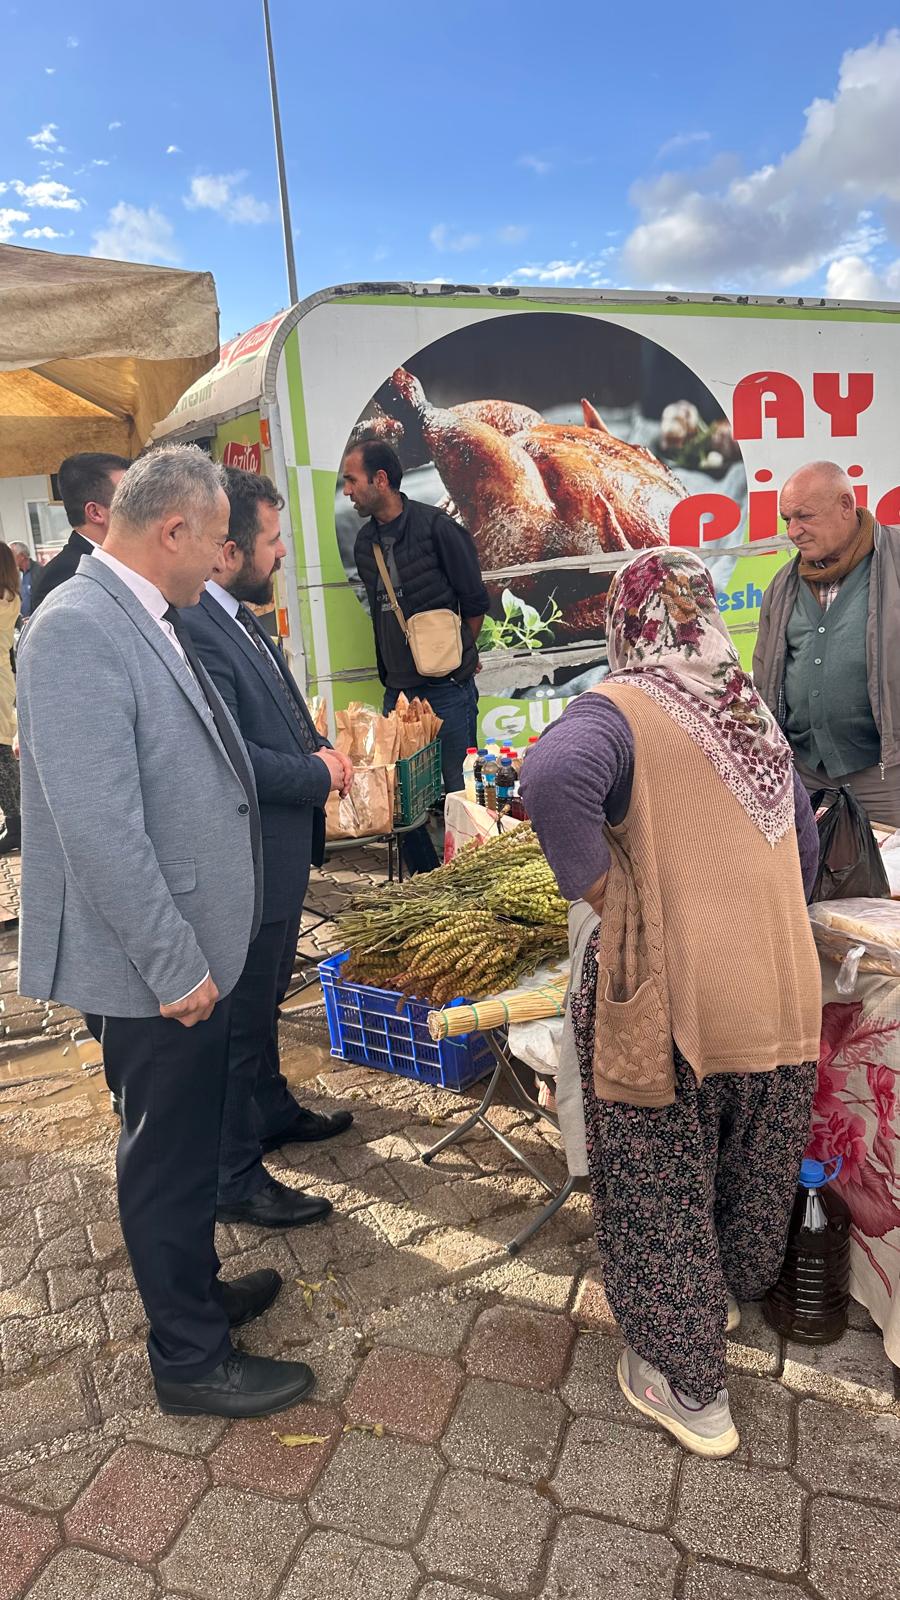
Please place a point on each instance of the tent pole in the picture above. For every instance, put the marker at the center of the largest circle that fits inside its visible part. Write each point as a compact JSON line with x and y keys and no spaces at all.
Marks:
{"x":279,"y":157}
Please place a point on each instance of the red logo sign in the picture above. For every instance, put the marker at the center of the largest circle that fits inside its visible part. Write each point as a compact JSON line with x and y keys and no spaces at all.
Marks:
{"x":246,"y":456}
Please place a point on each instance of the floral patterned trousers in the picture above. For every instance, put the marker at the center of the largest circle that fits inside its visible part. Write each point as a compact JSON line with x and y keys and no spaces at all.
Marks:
{"x":690,"y":1200}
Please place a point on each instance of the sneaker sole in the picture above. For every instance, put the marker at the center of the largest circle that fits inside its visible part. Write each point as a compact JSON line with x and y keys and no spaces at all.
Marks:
{"x":237,"y":1416}
{"x":715,"y":1449}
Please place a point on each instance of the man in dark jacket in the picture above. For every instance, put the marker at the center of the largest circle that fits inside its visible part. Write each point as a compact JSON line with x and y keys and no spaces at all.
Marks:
{"x":829,"y":642}
{"x":87,"y":484}
{"x":295,"y":771}
{"x":433,"y":565}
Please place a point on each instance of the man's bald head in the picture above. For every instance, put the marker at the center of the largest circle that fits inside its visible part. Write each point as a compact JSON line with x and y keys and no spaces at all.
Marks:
{"x":819,"y":508}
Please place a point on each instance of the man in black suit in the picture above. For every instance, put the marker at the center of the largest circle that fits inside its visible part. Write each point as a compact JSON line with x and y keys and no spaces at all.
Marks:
{"x":295,"y":771}
{"x":87,"y":484}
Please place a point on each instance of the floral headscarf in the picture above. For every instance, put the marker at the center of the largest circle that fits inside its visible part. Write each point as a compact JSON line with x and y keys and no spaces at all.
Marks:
{"x":665,"y":635}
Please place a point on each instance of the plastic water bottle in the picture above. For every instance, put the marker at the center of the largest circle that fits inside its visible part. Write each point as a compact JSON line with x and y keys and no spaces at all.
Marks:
{"x":478,"y":773}
{"x":469,"y":772}
{"x":506,"y":784}
{"x":809,"y":1301}
{"x":490,"y":767}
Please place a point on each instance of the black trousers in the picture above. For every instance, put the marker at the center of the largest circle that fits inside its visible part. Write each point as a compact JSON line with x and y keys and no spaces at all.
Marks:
{"x":258,"y":1102}
{"x":171,"y":1082}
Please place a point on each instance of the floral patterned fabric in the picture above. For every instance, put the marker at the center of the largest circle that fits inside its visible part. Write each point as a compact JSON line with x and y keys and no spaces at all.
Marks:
{"x":856,"y":1115}
{"x":665,"y":635}
{"x":690,"y":1200}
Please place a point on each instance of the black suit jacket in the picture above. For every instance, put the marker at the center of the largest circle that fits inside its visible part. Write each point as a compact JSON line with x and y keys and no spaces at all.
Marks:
{"x":291,"y":784}
{"x":63,"y":566}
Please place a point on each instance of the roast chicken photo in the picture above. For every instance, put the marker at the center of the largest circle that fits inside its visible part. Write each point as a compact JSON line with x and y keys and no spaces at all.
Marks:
{"x":536,"y":490}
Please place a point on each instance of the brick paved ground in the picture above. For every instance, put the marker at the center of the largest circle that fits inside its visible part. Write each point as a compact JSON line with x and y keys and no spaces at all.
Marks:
{"x":467,"y":1437}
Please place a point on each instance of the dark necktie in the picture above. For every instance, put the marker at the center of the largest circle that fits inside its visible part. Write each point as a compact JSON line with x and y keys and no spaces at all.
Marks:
{"x":304,"y":723}
{"x":233,"y":748}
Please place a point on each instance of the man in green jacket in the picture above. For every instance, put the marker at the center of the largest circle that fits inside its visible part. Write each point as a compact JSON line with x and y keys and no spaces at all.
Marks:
{"x":827,"y":657}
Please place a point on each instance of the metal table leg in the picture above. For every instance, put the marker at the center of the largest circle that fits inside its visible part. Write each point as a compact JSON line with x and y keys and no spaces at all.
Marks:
{"x":503,"y":1071}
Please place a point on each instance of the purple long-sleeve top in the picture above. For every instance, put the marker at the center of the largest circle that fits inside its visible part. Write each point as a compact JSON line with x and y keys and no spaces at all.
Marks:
{"x":578,"y":777}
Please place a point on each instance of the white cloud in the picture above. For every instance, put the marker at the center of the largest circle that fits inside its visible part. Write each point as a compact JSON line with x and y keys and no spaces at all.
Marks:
{"x":46,"y":193}
{"x":45,"y":233}
{"x":45,"y":138}
{"x":854,"y":278}
{"x":8,"y":219}
{"x":537,"y":165}
{"x":172,"y":150}
{"x":219,"y":192}
{"x":512,"y":234}
{"x":49,"y":71}
{"x":682,"y":141}
{"x":784,"y":222}
{"x":587,"y":272}
{"x":71,"y":42}
{"x":135,"y":235}
{"x":112,"y":126}
{"x":443,"y":238}
{"x":51,"y":166}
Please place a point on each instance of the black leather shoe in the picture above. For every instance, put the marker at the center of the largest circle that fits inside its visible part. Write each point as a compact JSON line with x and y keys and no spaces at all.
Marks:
{"x":245,"y":1298}
{"x":243,"y":1386}
{"x":277,"y":1206}
{"x":308,"y":1127}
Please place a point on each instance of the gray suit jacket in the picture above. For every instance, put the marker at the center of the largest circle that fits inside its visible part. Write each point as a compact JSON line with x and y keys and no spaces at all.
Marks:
{"x":137,"y":870}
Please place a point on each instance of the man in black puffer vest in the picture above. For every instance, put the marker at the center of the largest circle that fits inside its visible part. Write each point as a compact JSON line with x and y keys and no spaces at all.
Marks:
{"x":433,"y":565}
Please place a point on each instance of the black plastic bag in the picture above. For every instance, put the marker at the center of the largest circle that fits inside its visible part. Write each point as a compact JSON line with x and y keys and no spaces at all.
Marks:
{"x":850,"y":864}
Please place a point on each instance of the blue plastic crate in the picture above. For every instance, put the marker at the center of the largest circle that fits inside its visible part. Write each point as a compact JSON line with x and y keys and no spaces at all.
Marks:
{"x":381,"y":1028}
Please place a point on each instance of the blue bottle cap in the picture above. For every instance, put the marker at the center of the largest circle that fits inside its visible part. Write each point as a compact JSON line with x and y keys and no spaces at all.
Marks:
{"x":813,"y":1174}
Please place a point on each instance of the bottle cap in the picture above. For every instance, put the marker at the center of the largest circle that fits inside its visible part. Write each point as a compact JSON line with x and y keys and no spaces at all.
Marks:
{"x":813,"y":1174}
{"x":534,"y":738}
{"x":472,"y":750}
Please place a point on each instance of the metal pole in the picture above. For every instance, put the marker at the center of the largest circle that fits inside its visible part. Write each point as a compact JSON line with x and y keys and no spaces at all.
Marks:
{"x":282,"y":175}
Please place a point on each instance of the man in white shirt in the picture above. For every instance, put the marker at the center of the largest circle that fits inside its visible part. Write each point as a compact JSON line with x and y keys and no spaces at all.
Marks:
{"x":135,"y":787}
{"x":87,"y":483}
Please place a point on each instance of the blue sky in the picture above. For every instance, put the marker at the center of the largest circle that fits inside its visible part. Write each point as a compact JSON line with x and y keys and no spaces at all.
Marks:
{"x":741,"y":148}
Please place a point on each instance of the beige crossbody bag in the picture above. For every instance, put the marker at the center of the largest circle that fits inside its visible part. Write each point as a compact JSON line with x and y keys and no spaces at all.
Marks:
{"x":434,"y":637}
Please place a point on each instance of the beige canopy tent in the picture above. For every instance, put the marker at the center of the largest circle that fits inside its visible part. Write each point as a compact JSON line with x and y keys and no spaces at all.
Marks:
{"x":94,"y":353}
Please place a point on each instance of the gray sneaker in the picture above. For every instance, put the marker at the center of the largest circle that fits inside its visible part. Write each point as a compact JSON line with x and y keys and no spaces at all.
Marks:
{"x":707,"y":1430}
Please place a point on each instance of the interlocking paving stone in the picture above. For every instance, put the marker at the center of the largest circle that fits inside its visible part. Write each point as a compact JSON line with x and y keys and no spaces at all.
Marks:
{"x":46,"y":1407}
{"x":616,"y":1471}
{"x":706,"y":1582}
{"x":376,"y":1488}
{"x":591,"y":1388}
{"x":252,"y":1457}
{"x":754,"y":1347}
{"x":410,"y":1394}
{"x":447,"y":1591}
{"x":186,"y":1436}
{"x":598,"y":1561}
{"x":853,"y":1550}
{"x":505,"y":1430}
{"x":762,"y":1413}
{"x":82,"y":1575}
{"x":856,"y":1368}
{"x":749,"y":1515}
{"x":526,"y":1347}
{"x":860,"y":1318}
{"x":335,"y":1359}
{"x":543,"y":1279}
{"x":849,"y":1452}
{"x":123,"y":1382}
{"x":25,"y":1543}
{"x":53,"y":1485}
{"x":332,"y":1566}
{"x":137,"y":1502}
{"x":490,"y":1532}
{"x":436,"y":1324}
{"x":235,"y":1547}
{"x":28,"y":1339}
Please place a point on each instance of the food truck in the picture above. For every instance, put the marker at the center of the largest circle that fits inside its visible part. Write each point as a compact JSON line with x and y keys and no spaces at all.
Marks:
{"x":565,"y":430}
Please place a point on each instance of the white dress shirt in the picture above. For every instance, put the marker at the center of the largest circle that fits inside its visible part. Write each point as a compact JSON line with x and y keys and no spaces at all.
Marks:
{"x":151,"y":598}
{"x":154,"y":601}
{"x":225,"y":600}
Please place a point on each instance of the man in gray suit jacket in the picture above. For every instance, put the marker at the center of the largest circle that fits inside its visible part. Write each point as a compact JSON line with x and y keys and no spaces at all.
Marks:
{"x":135,"y":788}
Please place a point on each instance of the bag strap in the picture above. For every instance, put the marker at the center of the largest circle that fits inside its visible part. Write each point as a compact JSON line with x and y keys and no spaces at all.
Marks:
{"x":381,"y":564}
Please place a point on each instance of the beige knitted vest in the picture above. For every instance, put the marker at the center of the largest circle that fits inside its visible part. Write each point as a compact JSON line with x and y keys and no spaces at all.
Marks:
{"x":705,"y":935}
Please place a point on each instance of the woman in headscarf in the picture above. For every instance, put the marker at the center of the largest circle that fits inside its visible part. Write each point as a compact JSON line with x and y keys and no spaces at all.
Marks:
{"x":666,"y":798}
